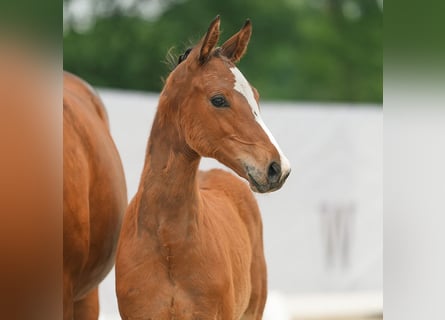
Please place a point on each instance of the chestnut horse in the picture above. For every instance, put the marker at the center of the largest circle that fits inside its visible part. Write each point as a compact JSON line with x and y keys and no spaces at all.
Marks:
{"x":94,"y":198}
{"x":191,"y":244}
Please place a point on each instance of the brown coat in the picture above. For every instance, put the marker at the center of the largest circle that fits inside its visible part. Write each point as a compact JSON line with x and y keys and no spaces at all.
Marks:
{"x":191,"y":245}
{"x":94,"y":198}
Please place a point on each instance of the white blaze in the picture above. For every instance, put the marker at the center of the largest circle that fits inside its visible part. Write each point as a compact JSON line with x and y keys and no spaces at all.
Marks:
{"x":243,"y":87}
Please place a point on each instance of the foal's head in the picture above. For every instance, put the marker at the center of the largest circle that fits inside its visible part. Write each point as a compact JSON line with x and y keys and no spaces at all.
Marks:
{"x":218,"y":112}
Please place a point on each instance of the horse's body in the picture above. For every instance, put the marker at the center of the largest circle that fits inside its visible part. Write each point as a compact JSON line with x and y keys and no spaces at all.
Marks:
{"x":94,"y":198}
{"x":201,"y":263}
{"x":191,"y":243}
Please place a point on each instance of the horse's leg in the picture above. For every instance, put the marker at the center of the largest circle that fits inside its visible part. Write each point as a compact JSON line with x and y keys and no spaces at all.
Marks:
{"x":88,"y":307}
{"x":258,"y":274}
{"x":67,"y":298}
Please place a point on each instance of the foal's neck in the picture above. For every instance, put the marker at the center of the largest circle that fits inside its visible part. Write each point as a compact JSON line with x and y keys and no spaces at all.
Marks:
{"x":169,"y":187}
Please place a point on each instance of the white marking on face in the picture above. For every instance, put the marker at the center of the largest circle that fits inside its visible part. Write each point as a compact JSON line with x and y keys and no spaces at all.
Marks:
{"x":243,"y":87}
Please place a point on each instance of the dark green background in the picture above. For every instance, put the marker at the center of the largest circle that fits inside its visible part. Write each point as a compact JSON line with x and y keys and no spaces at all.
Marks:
{"x":299,"y":50}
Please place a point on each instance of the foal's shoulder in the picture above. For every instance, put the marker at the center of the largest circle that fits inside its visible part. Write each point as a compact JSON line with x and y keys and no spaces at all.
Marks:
{"x":236,"y":191}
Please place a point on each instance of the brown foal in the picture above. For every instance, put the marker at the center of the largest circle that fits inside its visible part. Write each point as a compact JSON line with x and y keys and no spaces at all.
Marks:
{"x":191,"y":244}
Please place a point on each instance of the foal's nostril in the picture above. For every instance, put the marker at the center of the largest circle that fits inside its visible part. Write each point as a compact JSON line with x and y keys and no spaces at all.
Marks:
{"x":274,"y":172}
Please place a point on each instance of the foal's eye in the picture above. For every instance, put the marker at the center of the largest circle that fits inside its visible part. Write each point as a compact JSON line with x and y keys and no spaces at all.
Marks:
{"x":219,"y":101}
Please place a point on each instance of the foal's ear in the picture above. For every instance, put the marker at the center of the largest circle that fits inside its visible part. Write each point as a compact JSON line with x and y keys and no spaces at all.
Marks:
{"x":210,"y":40}
{"x":236,"y":46}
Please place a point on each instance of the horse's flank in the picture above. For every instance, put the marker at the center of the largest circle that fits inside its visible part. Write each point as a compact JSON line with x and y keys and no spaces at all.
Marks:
{"x":94,"y":198}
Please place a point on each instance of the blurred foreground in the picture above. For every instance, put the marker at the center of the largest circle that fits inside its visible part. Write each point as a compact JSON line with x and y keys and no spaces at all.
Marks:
{"x":30,"y":181}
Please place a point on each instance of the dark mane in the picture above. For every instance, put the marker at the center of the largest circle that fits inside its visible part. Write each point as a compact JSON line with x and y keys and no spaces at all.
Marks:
{"x":172,"y":60}
{"x":184,"y":56}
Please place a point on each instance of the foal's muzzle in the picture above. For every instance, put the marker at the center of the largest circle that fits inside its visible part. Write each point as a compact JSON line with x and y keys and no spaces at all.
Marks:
{"x":269,"y":180}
